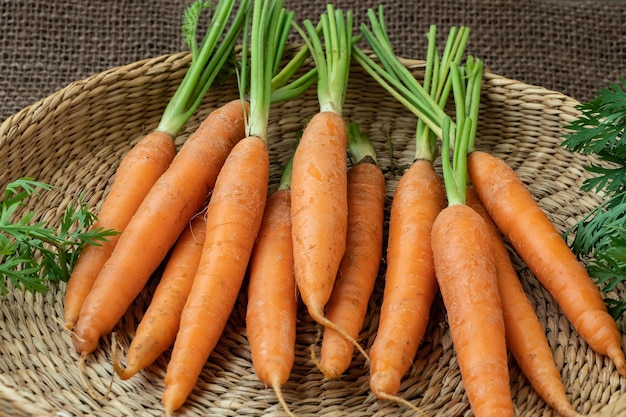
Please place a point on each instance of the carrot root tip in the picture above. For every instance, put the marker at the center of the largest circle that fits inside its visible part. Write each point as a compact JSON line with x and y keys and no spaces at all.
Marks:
{"x":122,"y":373}
{"x":399,"y":400}
{"x":281,"y":399}
{"x":318,"y":315}
{"x":616,"y":355}
{"x":86,"y":385}
{"x":327,"y":373}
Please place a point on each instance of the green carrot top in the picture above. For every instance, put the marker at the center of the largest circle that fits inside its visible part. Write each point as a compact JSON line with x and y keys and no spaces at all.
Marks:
{"x":426,"y":101}
{"x":466,"y":85}
{"x":262,"y":77}
{"x":332,"y":59}
{"x":207,"y":59}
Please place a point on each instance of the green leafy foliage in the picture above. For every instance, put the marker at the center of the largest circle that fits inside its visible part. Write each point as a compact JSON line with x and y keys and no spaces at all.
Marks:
{"x":32,"y":253}
{"x":601,"y":235}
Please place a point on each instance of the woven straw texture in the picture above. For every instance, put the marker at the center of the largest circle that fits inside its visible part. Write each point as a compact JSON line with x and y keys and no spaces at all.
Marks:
{"x":74,"y":140}
{"x":572,"y":46}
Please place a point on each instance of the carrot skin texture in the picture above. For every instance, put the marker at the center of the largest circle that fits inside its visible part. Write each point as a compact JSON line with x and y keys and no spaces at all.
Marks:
{"x":178,"y":194}
{"x":234,"y":216}
{"x":536,"y":240}
{"x":140,"y":168}
{"x":319,"y":208}
{"x":272,"y":295}
{"x":466,"y":273}
{"x":525,"y":335}
{"x":359,"y":267}
{"x":410,"y":283}
{"x":157,"y":329}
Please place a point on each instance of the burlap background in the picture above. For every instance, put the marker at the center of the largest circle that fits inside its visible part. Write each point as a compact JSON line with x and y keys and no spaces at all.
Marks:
{"x":575,"y":47}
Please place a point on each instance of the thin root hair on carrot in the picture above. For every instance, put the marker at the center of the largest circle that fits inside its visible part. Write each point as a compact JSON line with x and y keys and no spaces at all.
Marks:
{"x":119,"y":369}
{"x":403,"y":401}
{"x":281,"y":398}
{"x":85,"y":383}
{"x":318,"y":315}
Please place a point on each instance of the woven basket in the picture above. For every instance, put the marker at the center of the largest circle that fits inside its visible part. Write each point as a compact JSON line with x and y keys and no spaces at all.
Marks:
{"x":74,"y":140}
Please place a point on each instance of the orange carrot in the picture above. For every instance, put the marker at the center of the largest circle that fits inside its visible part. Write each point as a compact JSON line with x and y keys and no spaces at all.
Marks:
{"x":466,"y":273}
{"x":523,"y":331}
{"x":410,"y":283}
{"x":319,"y":201}
{"x":465,"y":264}
{"x":178,"y":194}
{"x":272,"y":294}
{"x":181,"y":190}
{"x":158,"y":327}
{"x":233,"y":219}
{"x":319,"y":208}
{"x":536,"y":240}
{"x":138,"y":171}
{"x":132,"y":184}
{"x":234,"y":214}
{"x":359,"y":267}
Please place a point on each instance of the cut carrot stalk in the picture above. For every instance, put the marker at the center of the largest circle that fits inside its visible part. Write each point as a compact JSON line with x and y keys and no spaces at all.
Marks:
{"x":525,"y":336}
{"x":358,"y":270}
{"x":513,"y":208}
{"x":272,"y":295}
{"x":158,"y":327}
{"x":234,"y":213}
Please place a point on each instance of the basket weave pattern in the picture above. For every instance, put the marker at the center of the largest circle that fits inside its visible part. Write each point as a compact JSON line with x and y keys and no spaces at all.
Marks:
{"x":74,"y":140}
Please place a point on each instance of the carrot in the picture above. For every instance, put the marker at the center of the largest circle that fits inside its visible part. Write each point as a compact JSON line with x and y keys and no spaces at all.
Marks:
{"x":234,"y":215}
{"x":523,"y":331}
{"x":138,"y":171}
{"x":171,"y":202}
{"x":158,"y":327}
{"x":272,"y":295}
{"x":410,"y":282}
{"x":358,"y":269}
{"x":150,"y":157}
{"x":466,"y":274}
{"x":536,"y":240}
{"x":233,"y":220}
{"x":465,"y":265}
{"x":319,"y":201}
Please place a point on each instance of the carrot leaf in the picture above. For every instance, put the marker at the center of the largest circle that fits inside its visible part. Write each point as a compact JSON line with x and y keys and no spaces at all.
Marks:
{"x":270,"y":27}
{"x":31,"y":252}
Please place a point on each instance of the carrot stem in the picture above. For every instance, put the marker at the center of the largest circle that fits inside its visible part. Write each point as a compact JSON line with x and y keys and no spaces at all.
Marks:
{"x":206,"y":62}
{"x":332,"y":59}
{"x":426,"y":101}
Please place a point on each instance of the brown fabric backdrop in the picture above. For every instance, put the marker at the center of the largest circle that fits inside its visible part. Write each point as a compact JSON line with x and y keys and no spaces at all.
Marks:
{"x":575,"y":47}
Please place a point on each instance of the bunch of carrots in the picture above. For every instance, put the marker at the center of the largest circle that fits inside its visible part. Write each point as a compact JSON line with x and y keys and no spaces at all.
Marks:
{"x":319,"y":237}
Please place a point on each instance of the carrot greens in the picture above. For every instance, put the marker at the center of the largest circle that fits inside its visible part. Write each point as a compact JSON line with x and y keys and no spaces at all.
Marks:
{"x":331,"y":62}
{"x":426,"y":101}
{"x":32,"y":253}
{"x":601,"y":234}
{"x":207,"y":59}
{"x":466,"y":82}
